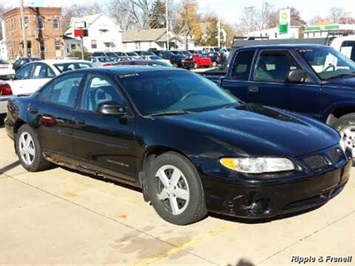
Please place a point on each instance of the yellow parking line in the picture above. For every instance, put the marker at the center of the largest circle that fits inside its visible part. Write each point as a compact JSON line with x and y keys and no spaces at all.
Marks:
{"x":183,"y":245}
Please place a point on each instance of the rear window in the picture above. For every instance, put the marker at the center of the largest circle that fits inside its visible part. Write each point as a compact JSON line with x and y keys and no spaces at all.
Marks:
{"x":63,"y":67}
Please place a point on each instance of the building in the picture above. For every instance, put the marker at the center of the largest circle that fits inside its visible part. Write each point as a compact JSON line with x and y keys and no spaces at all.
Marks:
{"x":326,"y":30}
{"x":43,"y":26}
{"x":273,"y":33}
{"x":150,"y":38}
{"x":3,"y":47}
{"x":103,"y":33}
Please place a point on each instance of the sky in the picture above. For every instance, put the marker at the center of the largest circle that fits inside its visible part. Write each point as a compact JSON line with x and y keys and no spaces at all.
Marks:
{"x":228,"y":10}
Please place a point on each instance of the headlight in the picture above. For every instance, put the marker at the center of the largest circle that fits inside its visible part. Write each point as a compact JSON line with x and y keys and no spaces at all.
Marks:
{"x":257,"y":165}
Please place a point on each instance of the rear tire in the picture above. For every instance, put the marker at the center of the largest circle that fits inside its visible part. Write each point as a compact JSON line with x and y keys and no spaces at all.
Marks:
{"x":175,"y":189}
{"x":29,"y":150}
{"x":345,"y":125}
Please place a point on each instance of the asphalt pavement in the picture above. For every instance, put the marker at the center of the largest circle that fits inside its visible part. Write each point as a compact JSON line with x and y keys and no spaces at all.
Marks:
{"x":60,"y":216}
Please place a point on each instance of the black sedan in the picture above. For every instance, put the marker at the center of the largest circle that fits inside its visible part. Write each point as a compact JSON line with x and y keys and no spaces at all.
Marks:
{"x":189,"y":145}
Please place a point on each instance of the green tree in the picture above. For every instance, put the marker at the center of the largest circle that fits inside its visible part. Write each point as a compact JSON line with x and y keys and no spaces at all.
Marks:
{"x":157,"y":15}
{"x":188,"y":24}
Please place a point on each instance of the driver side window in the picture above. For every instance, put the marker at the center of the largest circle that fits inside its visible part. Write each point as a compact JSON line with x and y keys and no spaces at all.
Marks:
{"x":99,"y":90}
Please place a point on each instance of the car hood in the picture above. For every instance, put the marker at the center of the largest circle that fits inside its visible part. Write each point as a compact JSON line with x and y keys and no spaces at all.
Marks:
{"x":347,"y":81}
{"x":258,"y":130}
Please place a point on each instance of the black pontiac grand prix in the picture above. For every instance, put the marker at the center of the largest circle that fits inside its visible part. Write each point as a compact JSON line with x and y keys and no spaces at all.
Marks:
{"x":189,"y":145}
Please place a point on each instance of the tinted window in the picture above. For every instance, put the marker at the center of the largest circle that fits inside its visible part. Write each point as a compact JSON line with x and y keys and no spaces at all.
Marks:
{"x":63,"y":91}
{"x":242,"y":64}
{"x":99,"y":90}
{"x":161,"y":91}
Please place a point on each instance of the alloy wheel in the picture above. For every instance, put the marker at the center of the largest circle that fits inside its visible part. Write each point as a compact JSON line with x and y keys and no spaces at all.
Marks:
{"x":173,"y":189}
{"x":26,"y":148}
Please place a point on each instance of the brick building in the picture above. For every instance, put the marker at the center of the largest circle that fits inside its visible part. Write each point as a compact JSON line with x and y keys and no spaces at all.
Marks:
{"x":43,"y":29}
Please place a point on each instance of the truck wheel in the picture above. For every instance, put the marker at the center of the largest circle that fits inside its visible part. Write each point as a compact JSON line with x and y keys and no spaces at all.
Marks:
{"x":29,"y":150}
{"x":345,"y":125}
{"x":175,"y":189}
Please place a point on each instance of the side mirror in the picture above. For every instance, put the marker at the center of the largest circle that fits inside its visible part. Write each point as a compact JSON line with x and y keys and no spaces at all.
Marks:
{"x":112,"y":108}
{"x":297,"y":75}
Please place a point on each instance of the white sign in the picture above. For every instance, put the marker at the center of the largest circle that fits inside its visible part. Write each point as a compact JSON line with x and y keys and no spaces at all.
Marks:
{"x":80,"y":25}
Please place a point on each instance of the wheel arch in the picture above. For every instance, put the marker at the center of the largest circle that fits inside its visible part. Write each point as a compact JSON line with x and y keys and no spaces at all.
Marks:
{"x":155,"y":151}
{"x":338,"y":111}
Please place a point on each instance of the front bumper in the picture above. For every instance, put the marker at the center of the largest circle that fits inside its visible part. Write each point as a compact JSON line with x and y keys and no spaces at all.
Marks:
{"x":256,"y":199}
{"x":3,"y":104}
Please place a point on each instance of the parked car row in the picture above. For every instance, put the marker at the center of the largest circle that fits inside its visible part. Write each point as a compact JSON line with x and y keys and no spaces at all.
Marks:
{"x":33,"y":75}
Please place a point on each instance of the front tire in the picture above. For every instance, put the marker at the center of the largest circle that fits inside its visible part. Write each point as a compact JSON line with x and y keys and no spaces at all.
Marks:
{"x":345,"y":125}
{"x":175,"y":189}
{"x":29,"y":150}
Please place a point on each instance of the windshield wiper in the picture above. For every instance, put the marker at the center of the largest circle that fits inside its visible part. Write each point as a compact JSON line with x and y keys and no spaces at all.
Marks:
{"x":349,"y":74}
{"x":176,"y":112}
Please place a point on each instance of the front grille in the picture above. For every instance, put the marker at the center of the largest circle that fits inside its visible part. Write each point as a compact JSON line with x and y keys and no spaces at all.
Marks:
{"x":325,"y":158}
{"x":316,"y":162}
{"x":336,"y":155}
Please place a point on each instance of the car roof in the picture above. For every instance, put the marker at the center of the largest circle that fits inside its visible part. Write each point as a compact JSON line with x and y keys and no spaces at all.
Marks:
{"x":59,"y":61}
{"x":127,"y":69}
{"x":276,"y":46}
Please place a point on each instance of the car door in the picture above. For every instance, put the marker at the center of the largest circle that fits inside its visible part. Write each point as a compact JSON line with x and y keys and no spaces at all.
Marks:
{"x":238,"y":82}
{"x":20,"y":81}
{"x":55,"y":114}
{"x":39,"y":75}
{"x":105,"y":142}
{"x":270,"y":85}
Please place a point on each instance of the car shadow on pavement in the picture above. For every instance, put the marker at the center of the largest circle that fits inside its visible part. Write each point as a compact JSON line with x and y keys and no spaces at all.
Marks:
{"x":242,"y":262}
{"x":9,"y":167}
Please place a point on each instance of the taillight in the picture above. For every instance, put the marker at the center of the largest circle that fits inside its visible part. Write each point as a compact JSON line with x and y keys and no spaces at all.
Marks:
{"x":107,"y":64}
{"x":5,"y":89}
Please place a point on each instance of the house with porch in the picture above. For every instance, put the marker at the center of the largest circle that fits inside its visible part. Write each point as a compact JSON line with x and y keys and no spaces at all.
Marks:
{"x":150,"y":38}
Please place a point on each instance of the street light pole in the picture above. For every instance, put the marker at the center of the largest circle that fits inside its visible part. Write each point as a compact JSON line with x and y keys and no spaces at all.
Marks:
{"x":24,"y":34}
{"x":219,"y":31}
{"x":167,"y":24}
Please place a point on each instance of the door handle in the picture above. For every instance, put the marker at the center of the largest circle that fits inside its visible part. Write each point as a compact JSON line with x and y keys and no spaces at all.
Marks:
{"x":80,"y":122}
{"x":33,"y":110}
{"x":253,"y":89}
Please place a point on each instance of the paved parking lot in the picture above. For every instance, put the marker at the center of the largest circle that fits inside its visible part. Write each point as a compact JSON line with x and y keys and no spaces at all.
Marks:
{"x":63,"y":217}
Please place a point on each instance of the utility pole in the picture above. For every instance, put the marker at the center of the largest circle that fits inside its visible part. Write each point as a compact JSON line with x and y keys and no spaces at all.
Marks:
{"x":24,"y":33}
{"x":167,"y":24}
{"x":219,"y":31}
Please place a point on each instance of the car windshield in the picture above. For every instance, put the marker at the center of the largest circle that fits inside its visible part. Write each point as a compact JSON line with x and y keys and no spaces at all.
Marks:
{"x":63,"y":67}
{"x":132,"y":54}
{"x":105,"y":59}
{"x":327,"y":63}
{"x":2,"y":62}
{"x":173,"y":91}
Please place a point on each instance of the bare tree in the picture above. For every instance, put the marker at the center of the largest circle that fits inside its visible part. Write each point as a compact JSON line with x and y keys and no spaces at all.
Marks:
{"x":257,"y":19}
{"x":131,"y":14}
{"x":79,"y":11}
{"x":335,"y":14}
{"x":3,"y":10}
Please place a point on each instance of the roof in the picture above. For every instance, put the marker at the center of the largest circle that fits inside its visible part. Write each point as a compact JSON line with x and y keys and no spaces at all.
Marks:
{"x":88,"y":19}
{"x":145,"y":35}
